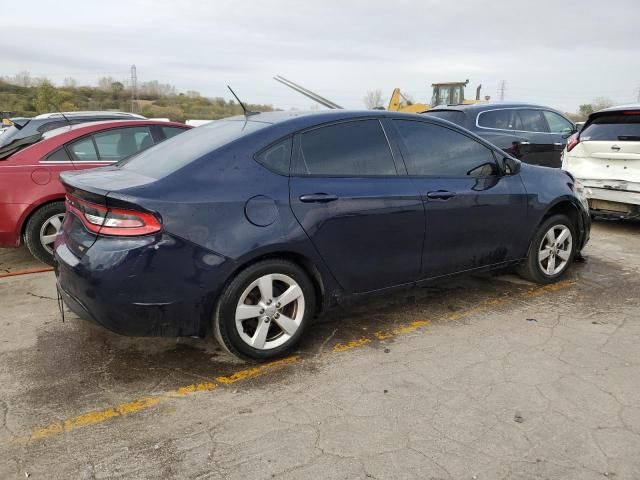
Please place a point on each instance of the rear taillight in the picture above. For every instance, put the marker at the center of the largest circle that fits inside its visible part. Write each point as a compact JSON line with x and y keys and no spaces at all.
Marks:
{"x":112,"y":221}
{"x":572,"y":142}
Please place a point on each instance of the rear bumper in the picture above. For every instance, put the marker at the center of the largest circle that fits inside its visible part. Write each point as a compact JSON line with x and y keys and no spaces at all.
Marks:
{"x":613,"y":197}
{"x":10,"y":216}
{"x":144,"y":286}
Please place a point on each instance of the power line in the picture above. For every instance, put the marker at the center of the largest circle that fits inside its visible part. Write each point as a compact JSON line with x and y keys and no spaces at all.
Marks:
{"x":134,"y":90}
{"x":501,"y":89}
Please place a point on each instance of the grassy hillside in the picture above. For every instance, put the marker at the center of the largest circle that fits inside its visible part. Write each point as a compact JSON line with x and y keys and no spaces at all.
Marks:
{"x":45,"y":97}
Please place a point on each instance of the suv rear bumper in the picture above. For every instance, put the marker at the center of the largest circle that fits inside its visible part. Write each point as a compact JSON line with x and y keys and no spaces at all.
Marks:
{"x":614,"y":197}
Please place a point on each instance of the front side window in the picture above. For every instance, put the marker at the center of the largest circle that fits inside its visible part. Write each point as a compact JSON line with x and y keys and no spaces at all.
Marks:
{"x":435,"y":151}
{"x":351,"y":149}
{"x":84,"y":150}
{"x":120,"y":143}
{"x":557,"y":123}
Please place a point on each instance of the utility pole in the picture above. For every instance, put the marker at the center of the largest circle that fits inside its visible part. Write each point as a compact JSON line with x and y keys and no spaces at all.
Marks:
{"x":501,"y":89}
{"x":134,"y":90}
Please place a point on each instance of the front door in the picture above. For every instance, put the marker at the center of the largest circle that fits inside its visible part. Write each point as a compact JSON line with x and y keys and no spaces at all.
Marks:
{"x":474,"y":214}
{"x":365,"y":220}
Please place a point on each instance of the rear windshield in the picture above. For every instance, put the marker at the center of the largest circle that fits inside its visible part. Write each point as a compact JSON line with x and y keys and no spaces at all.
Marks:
{"x":616,"y":127}
{"x":454,"y":116}
{"x":181,"y":150}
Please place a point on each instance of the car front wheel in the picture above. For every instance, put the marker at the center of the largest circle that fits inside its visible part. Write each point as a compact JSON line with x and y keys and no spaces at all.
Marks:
{"x":552,"y":250}
{"x":42,"y":229}
{"x":264,"y":311}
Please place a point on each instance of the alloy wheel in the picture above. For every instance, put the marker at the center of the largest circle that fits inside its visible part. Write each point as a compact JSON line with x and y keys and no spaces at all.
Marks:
{"x":555,"y":250}
{"x":270,"y":311}
{"x":50,"y":230}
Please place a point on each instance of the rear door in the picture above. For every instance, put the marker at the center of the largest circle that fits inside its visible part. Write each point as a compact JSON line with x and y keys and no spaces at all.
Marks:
{"x":363,"y":216}
{"x":475,"y":216}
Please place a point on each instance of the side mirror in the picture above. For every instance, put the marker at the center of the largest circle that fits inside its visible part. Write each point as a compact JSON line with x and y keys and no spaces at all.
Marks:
{"x":510,"y":166}
{"x":567,"y":132}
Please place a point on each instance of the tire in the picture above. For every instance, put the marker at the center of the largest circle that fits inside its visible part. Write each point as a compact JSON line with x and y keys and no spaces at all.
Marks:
{"x":264,"y":330}
{"x":543,"y":251}
{"x":44,"y":224}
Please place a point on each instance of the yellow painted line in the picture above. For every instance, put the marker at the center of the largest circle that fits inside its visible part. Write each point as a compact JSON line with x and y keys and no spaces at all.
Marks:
{"x":151,"y":401}
{"x":256,"y":371}
{"x":147,"y":402}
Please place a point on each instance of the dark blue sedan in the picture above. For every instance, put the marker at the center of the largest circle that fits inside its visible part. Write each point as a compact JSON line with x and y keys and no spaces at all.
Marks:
{"x":251,"y":226}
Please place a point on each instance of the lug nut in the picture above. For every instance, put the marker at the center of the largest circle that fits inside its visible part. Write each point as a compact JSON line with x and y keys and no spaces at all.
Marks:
{"x":277,"y":315}
{"x":269,"y":302}
{"x":261,"y":311}
{"x":267,"y":320}
{"x":277,"y":305}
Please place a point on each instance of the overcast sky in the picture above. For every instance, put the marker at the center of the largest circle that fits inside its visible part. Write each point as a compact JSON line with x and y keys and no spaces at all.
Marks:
{"x":560,"y":53}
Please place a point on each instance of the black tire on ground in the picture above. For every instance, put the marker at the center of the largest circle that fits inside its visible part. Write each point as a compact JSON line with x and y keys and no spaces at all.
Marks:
{"x":224,"y":324}
{"x":34,"y":226}
{"x":531,"y":269}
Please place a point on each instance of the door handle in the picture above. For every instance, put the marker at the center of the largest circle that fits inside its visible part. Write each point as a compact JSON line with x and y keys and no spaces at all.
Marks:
{"x":318,"y":198}
{"x":440,"y":195}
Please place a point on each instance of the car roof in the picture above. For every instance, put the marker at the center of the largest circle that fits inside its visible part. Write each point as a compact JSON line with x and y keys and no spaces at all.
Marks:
{"x":88,"y":113}
{"x":620,"y":108}
{"x":301,"y":119}
{"x":479,"y":107}
{"x":88,"y":127}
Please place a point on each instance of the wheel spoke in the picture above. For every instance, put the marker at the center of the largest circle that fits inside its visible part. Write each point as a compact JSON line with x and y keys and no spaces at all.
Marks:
{"x":563,"y":236}
{"x":244,"y":312}
{"x":49,"y":239}
{"x":287,"y":324}
{"x":260,"y":336}
{"x":265,"y":284}
{"x":544,"y":253}
{"x":292,"y":293}
{"x":551,"y":265}
{"x":550,"y":236}
{"x":564,"y":254}
{"x":56,"y":222}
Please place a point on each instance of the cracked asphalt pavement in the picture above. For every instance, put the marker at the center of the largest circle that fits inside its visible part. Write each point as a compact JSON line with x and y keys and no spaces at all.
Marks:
{"x":487,"y":377}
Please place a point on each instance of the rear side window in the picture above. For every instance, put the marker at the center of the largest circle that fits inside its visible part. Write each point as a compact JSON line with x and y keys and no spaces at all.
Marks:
{"x":500,"y":119}
{"x":60,"y":155}
{"x":351,"y":149}
{"x":532,"y":121}
{"x":432,"y":150}
{"x":616,"y":127}
{"x":277,"y":157}
{"x":120,"y":143}
{"x":83,"y":150}
{"x":171,"y":131}
{"x":454,"y":116}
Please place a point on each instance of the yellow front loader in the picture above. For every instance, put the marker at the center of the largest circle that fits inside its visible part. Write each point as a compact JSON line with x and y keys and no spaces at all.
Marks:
{"x":445,"y":93}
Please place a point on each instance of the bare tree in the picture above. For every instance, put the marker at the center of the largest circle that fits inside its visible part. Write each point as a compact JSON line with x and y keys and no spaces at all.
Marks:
{"x":22,"y":79}
{"x":70,"y":82}
{"x":373,"y":99}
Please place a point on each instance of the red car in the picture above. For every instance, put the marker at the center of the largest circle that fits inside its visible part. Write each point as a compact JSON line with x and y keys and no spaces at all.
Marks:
{"x":31,"y":195}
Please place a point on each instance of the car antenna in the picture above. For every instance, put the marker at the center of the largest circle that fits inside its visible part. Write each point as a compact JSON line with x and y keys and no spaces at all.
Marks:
{"x":247,"y":113}
{"x":57,"y":107}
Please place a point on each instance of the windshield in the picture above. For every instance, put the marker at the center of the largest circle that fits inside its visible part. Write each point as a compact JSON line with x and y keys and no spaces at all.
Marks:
{"x":181,"y":150}
{"x":615,"y":127}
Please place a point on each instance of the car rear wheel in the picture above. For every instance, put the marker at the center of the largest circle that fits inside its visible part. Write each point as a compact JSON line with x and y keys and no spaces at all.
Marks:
{"x":42,"y":229}
{"x":264,"y":311}
{"x":552,"y":250}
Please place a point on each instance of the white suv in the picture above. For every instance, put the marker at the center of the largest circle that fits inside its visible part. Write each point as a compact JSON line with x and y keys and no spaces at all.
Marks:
{"x":605,"y":158}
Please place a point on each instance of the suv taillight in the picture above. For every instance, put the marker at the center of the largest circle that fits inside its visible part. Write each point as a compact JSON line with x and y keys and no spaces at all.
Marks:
{"x":112,"y":221}
{"x":572,"y":142}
